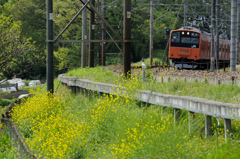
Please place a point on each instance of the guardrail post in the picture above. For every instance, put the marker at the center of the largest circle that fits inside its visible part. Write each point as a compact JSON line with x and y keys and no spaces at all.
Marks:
{"x":88,"y":93}
{"x":191,"y":115}
{"x":84,"y":92}
{"x":208,"y":126}
{"x":176,"y":114}
{"x":227,"y":129}
{"x":100,"y":94}
{"x":73,"y":89}
{"x":77,"y":90}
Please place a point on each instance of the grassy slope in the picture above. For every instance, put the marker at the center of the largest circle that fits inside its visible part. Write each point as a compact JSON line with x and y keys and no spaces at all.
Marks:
{"x":7,"y":147}
{"x":222,"y":93}
{"x":114,"y":127}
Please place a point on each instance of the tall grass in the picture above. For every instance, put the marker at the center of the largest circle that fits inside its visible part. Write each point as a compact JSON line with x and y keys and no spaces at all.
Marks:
{"x":7,"y":147}
{"x":95,"y":74}
{"x":229,"y":93}
{"x":64,"y":125}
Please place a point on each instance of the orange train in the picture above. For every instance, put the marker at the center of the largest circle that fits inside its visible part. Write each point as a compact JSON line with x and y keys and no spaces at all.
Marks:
{"x":192,"y":45}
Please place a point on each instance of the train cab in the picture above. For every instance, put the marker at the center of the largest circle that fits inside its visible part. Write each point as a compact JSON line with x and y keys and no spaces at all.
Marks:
{"x":184,"y":45}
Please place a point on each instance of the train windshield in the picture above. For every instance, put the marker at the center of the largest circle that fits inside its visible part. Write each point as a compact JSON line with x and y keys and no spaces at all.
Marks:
{"x":185,"y":39}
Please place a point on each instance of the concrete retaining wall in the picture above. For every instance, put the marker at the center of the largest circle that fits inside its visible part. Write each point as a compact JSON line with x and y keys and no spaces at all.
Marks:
{"x":210,"y":108}
{"x":193,"y":104}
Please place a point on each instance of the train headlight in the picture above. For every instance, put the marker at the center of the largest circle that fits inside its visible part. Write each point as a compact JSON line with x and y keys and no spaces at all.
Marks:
{"x":187,"y":33}
{"x":183,"y":33}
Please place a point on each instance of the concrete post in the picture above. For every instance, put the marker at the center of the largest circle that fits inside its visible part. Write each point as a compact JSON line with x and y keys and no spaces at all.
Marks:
{"x":185,"y":13}
{"x":91,"y":36}
{"x":176,"y":114}
{"x":151,"y":33}
{"x":238,"y":33}
{"x":208,"y":126}
{"x":104,"y":35}
{"x":77,"y":90}
{"x":81,"y":90}
{"x":212,"y":36}
{"x":191,"y":115}
{"x":227,"y":128}
{"x":127,"y":39}
{"x":74,"y":89}
{"x":50,"y":72}
{"x":84,"y":92}
{"x":233,"y":35}
{"x":84,"y":37}
{"x":217,"y":33}
{"x":99,"y":36}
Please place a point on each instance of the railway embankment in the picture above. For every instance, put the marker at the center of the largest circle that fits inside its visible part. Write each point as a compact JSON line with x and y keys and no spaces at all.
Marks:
{"x":16,"y":136}
{"x":177,"y":102}
{"x":210,"y":108}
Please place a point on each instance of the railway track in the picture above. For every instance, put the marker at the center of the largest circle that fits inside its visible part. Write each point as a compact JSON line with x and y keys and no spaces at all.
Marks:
{"x":187,"y":73}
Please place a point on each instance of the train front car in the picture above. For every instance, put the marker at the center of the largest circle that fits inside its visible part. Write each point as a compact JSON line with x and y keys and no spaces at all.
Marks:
{"x":184,"y":48}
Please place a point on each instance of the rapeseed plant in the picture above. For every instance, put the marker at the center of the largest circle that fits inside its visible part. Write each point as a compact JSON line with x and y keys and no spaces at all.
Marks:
{"x":64,"y":125}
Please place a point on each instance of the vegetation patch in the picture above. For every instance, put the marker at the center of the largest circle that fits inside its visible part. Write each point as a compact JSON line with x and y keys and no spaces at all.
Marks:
{"x":64,"y":125}
{"x":229,"y":93}
{"x":7,"y":147}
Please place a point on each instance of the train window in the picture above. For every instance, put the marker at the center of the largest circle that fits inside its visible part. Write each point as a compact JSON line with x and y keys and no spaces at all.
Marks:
{"x":194,"y":34}
{"x":176,"y":37}
{"x":194,"y":40}
{"x":186,"y":40}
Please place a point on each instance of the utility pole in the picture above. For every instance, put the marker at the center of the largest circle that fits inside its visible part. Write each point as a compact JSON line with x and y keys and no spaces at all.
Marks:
{"x":84,"y":37}
{"x":151,"y":33}
{"x":213,"y":36}
{"x":233,"y":35}
{"x":50,"y":83}
{"x":238,"y":33}
{"x":127,"y":39}
{"x":104,"y":34}
{"x":185,"y":13}
{"x":91,"y":36}
{"x":217,"y":33}
{"x":99,"y":36}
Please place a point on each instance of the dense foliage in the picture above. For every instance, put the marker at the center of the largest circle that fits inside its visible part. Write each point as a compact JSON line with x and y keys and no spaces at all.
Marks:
{"x":27,"y":19}
{"x":17,"y":53}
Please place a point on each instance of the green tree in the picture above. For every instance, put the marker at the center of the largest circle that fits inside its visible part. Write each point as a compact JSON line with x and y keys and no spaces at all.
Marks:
{"x":17,"y":53}
{"x":32,"y":15}
{"x":68,"y":55}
